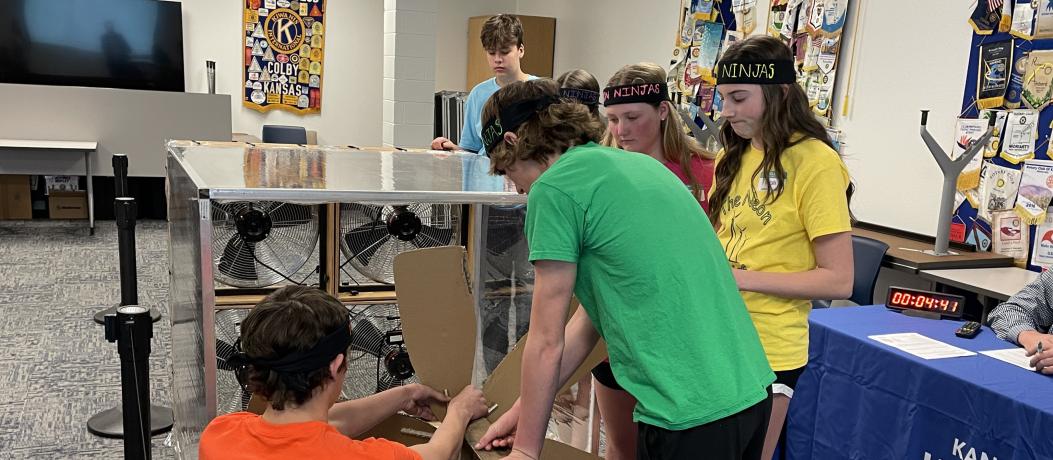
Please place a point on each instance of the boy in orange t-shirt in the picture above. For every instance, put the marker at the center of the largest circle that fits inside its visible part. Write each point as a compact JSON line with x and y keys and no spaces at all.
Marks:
{"x":292,"y":352}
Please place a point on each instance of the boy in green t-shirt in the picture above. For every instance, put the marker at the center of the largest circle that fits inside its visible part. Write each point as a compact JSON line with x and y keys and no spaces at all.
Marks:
{"x":620,"y":231}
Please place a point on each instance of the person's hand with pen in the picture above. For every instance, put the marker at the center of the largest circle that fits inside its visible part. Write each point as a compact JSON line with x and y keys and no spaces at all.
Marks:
{"x":1039,"y":348}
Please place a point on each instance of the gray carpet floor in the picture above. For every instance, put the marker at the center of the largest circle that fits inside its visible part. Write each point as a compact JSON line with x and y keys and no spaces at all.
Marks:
{"x":56,"y":368}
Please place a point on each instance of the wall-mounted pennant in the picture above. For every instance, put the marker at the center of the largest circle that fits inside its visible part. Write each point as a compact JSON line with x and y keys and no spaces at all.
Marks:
{"x":987,"y":16}
{"x":1016,"y":79}
{"x":1038,"y":80}
{"x":708,"y":36}
{"x":1023,"y":21}
{"x":999,"y":188}
{"x":967,"y":131}
{"x":957,"y":230}
{"x":1036,"y":191}
{"x":1043,"y":22}
{"x":993,"y":76}
{"x":979,"y":237}
{"x":994,"y":146}
{"x":1042,"y":250}
{"x":1018,"y":142}
{"x":1008,"y":236}
{"x":281,"y":40}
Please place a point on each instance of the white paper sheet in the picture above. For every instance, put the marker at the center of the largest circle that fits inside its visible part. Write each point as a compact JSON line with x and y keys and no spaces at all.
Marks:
{"x":921,"y":346}
{"x":1015,"y":356}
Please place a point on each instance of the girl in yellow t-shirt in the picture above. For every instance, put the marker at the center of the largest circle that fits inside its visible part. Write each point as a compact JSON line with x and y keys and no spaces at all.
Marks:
{"x":780,"y":206}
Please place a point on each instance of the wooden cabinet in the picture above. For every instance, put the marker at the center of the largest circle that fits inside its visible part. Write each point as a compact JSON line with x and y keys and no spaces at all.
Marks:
{"x":539,"y":41}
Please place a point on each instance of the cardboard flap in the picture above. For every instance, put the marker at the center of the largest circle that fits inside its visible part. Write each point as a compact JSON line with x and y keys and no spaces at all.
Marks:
{"x":438,"y":317}
{"x":502,"y":387}
{"x":403,"y":429}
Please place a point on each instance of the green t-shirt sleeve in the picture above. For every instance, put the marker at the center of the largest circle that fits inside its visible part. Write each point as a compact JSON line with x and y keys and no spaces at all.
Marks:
{"x":555,"y":225}
{"x":822,"y":203}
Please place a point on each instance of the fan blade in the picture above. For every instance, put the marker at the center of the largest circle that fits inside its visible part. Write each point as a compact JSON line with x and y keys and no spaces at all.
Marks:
{"x":237,"y":260}
{"x":366,"y":337}
{"x":358,"y":212}
{"x":289,"y":214}
{"x":364,"y":240}
{"x":224,"y":351}
{"x":387,"y":382}
{"x":430,"y":237}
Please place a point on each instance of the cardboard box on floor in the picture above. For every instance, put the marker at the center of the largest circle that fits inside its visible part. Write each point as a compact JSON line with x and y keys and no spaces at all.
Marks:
{"x":439,"y":326}
{"x":15,"y":201}
{"x":68,"y":205}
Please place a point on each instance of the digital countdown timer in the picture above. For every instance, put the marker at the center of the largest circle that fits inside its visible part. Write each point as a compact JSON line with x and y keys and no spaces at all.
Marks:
{"x":900,"y":298}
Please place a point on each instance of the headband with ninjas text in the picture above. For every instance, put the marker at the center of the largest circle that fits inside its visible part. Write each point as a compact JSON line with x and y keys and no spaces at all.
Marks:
{"x":510,"y":118}
{"x":778,"y":72}
{"x":638,"y":92}
{"x":318,"y":356}
{"x":584,"y":96}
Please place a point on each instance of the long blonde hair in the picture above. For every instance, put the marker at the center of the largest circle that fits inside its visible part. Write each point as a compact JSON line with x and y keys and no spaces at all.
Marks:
{"x":677,"y":145}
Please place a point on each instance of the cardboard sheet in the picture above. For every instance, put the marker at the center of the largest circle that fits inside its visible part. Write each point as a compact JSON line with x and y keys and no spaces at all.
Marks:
{"x":438,"y":320}
{"x":438,"y":317}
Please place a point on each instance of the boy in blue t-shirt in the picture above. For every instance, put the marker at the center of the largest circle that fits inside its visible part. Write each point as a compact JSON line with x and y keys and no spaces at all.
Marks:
{"x":502,"y":38}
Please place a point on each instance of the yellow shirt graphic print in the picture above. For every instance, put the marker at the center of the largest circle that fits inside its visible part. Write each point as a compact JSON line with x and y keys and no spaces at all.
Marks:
{"x":759,"y":234}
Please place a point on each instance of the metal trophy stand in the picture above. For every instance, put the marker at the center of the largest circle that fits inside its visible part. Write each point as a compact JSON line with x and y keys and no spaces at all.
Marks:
{"x":951,"y":169}
{"x":132,"y":327}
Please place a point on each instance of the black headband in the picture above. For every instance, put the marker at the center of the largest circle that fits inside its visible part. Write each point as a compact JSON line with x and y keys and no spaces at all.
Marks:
{"x":756,"y":72}
{"x":318,"y":356}
{"x":639,"y":92}
{"x":585,"y":96}
{"x":510,"y":118}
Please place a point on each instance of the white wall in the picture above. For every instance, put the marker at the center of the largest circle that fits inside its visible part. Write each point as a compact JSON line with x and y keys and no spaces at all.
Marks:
{"x":352,"y":80}
{"x":451,"y":38}
{"x":896,"y":74}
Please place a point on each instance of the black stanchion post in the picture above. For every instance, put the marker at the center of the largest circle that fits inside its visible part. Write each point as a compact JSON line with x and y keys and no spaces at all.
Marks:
{"x":120,"y":175}
{"x":135,"y":413}
{"x":125,"y":209}
{"x":132,"y":329}
{"x":127,"y":249}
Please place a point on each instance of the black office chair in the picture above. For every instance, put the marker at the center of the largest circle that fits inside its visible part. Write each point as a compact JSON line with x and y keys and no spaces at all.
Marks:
{"x":278,"y":134}
{"x":867,"y":254}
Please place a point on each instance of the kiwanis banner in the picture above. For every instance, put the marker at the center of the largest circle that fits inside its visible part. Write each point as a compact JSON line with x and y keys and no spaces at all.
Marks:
{"x":284,"y":42}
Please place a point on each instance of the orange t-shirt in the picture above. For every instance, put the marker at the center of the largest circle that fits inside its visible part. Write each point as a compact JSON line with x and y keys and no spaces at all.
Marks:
{"x":244,"y":435}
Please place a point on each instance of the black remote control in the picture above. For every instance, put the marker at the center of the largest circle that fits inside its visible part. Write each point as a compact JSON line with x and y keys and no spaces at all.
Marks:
{"x":968,"y":330}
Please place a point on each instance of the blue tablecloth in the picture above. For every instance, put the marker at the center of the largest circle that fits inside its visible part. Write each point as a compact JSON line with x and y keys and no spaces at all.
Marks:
{"x":861,"y":399}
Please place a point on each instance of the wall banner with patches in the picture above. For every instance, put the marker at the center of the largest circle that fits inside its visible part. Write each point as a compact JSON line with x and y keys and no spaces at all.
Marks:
{"x":284,"y":43}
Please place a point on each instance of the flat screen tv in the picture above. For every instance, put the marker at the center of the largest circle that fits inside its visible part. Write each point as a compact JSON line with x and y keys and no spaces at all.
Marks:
{"x":133,"y":44}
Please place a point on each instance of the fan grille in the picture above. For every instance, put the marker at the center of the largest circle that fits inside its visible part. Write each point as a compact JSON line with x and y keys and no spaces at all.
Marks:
{"x":229,"y":395}
{"x":366,"y":373}
{"x":370,"y":247}
{"x":284,"y":249}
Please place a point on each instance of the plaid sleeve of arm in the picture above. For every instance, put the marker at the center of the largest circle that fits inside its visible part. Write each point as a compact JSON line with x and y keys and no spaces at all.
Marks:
{"x":1031,"y":309}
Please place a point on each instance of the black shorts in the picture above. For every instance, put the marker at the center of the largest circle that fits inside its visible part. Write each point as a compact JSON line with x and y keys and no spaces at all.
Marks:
{"x":788,"y":379}
{"x":605,"y":376}
{"x":737,"y":436}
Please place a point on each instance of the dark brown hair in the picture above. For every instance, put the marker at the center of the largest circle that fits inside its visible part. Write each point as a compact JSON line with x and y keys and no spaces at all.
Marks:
{"x":581,"y":79}
{"x":677,"y":145}
{"x":555,"y":129}
{"x":786,"y":115}
{"x":503,"y":30}
{"x":291,"y":319}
